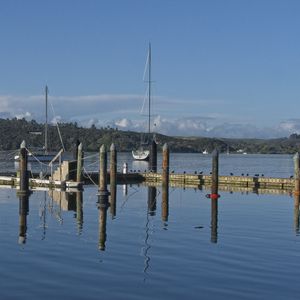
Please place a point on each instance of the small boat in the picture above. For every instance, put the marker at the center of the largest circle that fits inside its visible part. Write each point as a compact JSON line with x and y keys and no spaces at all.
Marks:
{"x":205,"y":152}
{"x":41,"y":154}
{"x":141,"y":153}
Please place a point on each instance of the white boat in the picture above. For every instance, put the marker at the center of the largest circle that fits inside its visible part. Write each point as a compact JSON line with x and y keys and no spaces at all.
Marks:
{"x":205,"y":152}
{"x":41,"y":154}
{"x":141,"y":153}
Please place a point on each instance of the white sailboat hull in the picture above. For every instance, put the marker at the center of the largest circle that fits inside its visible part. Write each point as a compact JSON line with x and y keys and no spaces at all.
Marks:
{"x":141,"y":154}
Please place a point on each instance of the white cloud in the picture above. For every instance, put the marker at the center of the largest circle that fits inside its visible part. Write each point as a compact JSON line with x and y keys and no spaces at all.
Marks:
{"x":122,"y":111}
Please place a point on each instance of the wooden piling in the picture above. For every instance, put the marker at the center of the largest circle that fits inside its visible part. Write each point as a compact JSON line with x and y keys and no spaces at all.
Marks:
{"x":215,"y":172}
{"x":297,"y":172}
{"x":113,"y":179}
{"x":165,"y":183}
{"x":103,"y":192}
{"x":165,"y":166}
{"x":79,"y":163}
{"x":24,"y":178}
{"x":153,"y":157}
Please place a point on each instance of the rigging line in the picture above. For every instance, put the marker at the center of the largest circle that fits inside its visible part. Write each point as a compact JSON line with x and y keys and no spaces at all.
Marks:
{"x":62,"y":143}
{"x":85,"y":172}
{"x":146,"y":66}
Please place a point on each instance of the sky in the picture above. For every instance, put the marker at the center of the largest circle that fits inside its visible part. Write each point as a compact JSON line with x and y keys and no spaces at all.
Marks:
{"x":219,"y":68}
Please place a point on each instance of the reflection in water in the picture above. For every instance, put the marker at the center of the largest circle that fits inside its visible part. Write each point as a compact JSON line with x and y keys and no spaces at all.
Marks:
{"x":79,"y":211}
{"x":151,"y":200}
{"x":43,"y":212}
{"x":150,"y":212}
{"x":103,"y":205}
{"x":113,"y":200}
{"x":125,"y":190}
{"x":23,"y":212}
{"x":165,"y":203}
{"x":296,"y":211}
{"x":214,"y":220}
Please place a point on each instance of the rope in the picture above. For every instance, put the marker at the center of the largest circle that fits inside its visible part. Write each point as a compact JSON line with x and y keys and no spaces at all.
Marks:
{"x":88,"y":176}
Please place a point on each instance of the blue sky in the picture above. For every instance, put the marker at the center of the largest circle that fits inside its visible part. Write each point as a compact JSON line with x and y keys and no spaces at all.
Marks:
{"x":221,"y":68}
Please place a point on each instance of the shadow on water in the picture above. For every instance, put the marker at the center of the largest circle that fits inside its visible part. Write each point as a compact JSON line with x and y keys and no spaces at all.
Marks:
{"x":23,"y":212}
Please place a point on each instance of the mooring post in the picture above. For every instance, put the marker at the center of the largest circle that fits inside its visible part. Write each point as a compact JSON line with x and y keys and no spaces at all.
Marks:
{"x":165,"y":183}
{"x":24,"y":178}
{"x":153,"y":157}
{"x":103,"y":192}
{"x":215,"y":173}
{"x":297,"y":172}
{"x":165,"y":165}
{"x":113,"y":179}
{"x":79,"y":163}
{"x":75,"y":149}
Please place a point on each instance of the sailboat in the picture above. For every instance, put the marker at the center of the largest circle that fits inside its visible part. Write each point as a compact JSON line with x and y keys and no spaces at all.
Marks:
{"x":42,"y":154}
{"x":141,"y":153}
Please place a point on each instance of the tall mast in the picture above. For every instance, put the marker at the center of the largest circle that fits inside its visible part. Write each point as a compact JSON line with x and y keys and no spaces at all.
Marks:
{"x":46,"y":120}
{"x":149,"y":91}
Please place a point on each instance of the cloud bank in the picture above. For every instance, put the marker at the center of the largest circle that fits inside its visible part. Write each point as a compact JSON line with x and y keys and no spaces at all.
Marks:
{"x":122,"y":111}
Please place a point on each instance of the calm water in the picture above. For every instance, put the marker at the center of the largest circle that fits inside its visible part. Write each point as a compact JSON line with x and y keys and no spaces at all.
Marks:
{"x":245,"y":246}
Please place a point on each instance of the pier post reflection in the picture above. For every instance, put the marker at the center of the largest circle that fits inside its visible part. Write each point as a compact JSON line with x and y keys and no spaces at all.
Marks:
{"x":214,"y":221}
{"x":102,"y":206}
{"x":152,"y":200}
{"x":296,"y":211}
{"x":23,"y":212}
{"x":79,"y":210}
{"x":165,"y":203}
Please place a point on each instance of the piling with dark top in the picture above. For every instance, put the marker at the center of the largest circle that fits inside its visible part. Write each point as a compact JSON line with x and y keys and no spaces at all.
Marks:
{"x":24,"y":178}
{"x":297,"y":172}
{"x":153,"y":157}
{"x":215,"y":173}
{"x":103,"y":192}
{"x":79,"y":163}
{"x":75,"y":149}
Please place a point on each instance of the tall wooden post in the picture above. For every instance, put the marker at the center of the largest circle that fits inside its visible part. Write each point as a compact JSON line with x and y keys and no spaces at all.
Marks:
{"x":113,"y":179}
{"x":165,"y":183}
{"x":215,"y":173}
{"x":297,"y":172}
{"x":24,"y":178}
{"x":103,"y":192}
{"x":165,"y":166}
{"x":79,"y":163}
{"x":153,"y":157}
